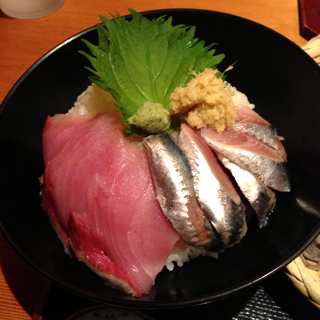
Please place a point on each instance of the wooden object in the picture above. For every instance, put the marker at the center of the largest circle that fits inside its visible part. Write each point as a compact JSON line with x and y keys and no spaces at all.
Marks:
{"x":309,"y":13}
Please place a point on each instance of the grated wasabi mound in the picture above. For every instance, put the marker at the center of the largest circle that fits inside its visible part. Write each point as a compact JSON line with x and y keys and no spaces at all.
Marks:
{"x":151,"y":117}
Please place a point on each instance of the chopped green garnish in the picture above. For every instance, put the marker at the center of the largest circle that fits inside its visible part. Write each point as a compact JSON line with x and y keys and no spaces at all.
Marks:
{"x":143,"y":60}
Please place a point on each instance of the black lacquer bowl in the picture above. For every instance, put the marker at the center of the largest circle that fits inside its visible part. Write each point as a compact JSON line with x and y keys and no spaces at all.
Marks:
{"x":277,"y":76}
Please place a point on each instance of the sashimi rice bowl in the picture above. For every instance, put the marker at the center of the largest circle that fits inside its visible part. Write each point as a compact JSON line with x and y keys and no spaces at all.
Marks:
{"x":160,"y":160}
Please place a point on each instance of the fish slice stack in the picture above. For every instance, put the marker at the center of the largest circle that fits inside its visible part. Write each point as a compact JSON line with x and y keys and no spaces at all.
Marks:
{"x":192,"y":168}
{"x":99,"y":196}
{"x":123,"y":207}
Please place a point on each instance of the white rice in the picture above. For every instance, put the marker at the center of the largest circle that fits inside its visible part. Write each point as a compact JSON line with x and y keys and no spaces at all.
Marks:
{"x":179,"y":256}
{"x":240,"y":98}
{"x":92,"y":101}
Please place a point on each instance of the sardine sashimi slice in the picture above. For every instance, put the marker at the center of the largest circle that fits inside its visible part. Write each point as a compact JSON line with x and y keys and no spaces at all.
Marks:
{"x":250,"y":154}
{"x":250,"y":122}
{"x":92,"y":180}
{"x":261,"y":198}
{"x":215,"y":192}
{"x":245,"y":114}
{"x":175,"y":192}
{"x":265,"y":134}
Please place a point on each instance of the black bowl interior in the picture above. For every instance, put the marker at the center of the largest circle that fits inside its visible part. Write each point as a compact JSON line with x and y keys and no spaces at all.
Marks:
{"x":277,"y":76}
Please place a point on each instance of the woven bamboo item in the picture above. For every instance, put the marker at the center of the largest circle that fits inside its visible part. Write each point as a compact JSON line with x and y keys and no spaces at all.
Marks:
{"x":304,"y":271}
{"x":312,"y":48}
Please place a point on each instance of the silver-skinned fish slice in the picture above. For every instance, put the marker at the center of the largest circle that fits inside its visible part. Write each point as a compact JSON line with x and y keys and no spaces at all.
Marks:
{"x":174,"y":187}
{"x":250,"y":154}
{"x":215,"y":192}
{"x":261,"y":198}
{"x":250,"y":122}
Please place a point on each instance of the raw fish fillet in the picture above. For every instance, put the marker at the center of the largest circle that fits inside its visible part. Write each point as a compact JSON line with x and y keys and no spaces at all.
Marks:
{"x":175,"y":191}
{"x":246,"y":115}
{"x":92,"y":180}
{"x":215,"y":192}
{"x":261,"y":198}
{"x":253,"y":152}
{"x":250,"y":154}
{"x":250,"y":122}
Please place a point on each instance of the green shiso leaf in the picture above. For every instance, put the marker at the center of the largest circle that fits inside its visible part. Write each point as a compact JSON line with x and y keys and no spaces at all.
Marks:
{"x":145,"y":60}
